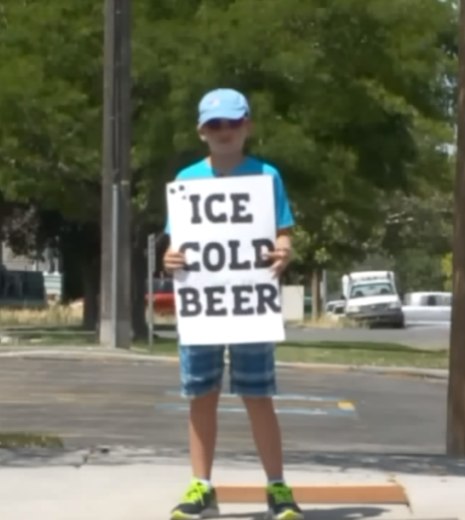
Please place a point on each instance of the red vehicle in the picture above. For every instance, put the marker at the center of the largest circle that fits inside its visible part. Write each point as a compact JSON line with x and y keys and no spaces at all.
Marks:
{"x":163,"y":296}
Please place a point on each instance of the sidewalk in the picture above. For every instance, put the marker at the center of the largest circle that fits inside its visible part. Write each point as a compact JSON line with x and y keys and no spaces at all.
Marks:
{"x":148,"y":491}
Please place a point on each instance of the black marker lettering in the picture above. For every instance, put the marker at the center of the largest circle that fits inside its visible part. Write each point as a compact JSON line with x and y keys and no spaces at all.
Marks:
{"x":220,"y":262}
{"x":194,"y":246}
{"x":190,"y":302}
{"x":267,"y":297}
{"x":215,"y":303}
{"x":235,"y":265}
{"x":220,"y":217}
{"x":195,"y":200}
{"x":259,"y":244}
{"x":242,"y":304}
{"x":238,"y":215}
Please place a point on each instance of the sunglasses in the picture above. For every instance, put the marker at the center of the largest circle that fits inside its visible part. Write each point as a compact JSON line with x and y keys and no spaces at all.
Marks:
{"x":217,"y":124}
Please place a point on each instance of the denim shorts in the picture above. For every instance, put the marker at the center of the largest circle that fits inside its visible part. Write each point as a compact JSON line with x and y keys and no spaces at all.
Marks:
{"x":251,"y":369}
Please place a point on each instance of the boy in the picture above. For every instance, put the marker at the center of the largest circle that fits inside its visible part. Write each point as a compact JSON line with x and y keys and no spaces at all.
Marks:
{"x":224,"y":125}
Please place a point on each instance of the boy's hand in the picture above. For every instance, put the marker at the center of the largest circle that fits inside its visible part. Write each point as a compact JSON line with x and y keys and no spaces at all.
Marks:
{"x":281,"y":258}
{"x":173,"y":260}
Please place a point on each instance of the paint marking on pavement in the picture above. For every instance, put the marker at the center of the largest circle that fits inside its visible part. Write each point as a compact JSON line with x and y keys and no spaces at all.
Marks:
{"x":176,"y":407}
{"x":346,"y":405}
{"x":287,"y":404}
{"x":281,"y":397}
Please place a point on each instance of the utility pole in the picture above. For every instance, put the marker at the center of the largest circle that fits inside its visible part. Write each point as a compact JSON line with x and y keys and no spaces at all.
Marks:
{"x":151,"y":266}
{"x":115,"y":291}
{"x":456,"y":392}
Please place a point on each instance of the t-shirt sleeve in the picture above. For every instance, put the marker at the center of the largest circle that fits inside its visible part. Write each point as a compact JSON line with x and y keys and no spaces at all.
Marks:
{"x":284,"y":216}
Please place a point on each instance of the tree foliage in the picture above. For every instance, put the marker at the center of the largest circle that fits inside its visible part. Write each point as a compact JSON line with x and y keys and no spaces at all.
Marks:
{"x":50,"y":104}
{"x":352,"y":100}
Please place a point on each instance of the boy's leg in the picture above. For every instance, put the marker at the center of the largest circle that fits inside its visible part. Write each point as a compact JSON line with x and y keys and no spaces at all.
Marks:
{"x":201,"y":375}
{"x":267,"y":435}
{"x":202,"y":433}
{"x":253,"y":378}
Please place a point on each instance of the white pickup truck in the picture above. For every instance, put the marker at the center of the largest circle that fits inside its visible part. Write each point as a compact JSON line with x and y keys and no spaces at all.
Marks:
{"x":371,"y":297}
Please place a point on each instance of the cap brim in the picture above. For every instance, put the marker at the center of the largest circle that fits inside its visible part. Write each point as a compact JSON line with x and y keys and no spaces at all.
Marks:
{"x":222,"y":114}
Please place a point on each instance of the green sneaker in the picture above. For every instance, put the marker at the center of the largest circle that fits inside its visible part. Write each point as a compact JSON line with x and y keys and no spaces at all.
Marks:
{"x":198,"y":502}
{"x":281,"y":503}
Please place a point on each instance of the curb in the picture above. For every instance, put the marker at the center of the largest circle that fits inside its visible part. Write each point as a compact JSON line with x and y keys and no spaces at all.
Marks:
{"x":82,"y":353}
{"x":392,"y":494}
{"x":429,"y":373}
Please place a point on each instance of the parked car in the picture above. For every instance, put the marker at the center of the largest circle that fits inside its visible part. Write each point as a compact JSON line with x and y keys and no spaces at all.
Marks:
{"x":335,"y":309}
{"x":163,"y":296}
{"x":427,"y":307}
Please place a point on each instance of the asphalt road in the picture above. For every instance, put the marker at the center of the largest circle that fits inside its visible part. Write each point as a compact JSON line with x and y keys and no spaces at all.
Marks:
{"x":135,"y":404}
{"x":419,"y":336}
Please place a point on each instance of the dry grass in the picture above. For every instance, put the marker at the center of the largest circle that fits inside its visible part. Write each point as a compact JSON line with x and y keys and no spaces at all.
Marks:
{"x":13,"y":440}
{"x":164,"y":319}
{"x":325,"y":322}
{"x":328,"y":322}
{"x":54,"y":315}
{"x":71,"y":315}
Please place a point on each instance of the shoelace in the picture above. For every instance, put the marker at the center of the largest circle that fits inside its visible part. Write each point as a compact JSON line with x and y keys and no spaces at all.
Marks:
{"x":194,"y":493}
{"x":281,"y":494}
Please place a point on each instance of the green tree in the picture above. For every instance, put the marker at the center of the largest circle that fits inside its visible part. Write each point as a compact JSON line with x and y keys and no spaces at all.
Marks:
{"x":351,"y":99}
{"x":447,"y":271}
{"x":50,"y":101}
{"x":50,"y":104}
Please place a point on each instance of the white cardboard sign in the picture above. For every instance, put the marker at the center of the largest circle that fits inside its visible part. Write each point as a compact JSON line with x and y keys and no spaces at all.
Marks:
{"x":227,"y":293}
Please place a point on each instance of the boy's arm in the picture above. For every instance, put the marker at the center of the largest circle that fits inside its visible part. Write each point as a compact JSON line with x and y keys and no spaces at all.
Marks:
{"x":284,"y":240}
{"x":281,"y":256}
{"x":173,"y":260}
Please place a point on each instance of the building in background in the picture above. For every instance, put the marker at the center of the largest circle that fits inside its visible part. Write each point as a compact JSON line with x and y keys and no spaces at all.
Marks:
{"x":27,"y":282}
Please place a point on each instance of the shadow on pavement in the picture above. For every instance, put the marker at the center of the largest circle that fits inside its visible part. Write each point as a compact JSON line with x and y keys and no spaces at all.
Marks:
{"x":339,"y":513}
{"x":408,"y":463}
{"x":40,"y":457}
{"x":330,"y":461}
{"x":416,"y":464}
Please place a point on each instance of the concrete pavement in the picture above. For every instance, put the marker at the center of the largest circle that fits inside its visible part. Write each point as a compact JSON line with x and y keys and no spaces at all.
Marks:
{"x":148,"y":491}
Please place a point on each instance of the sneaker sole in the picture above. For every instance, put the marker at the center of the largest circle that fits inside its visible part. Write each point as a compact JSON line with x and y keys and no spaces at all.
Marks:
{"x":286,"y":515}
{"x":208,"y":513}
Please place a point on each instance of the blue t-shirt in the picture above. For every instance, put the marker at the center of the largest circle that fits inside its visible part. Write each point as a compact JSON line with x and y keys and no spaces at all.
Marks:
{"x":250,"y":166}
